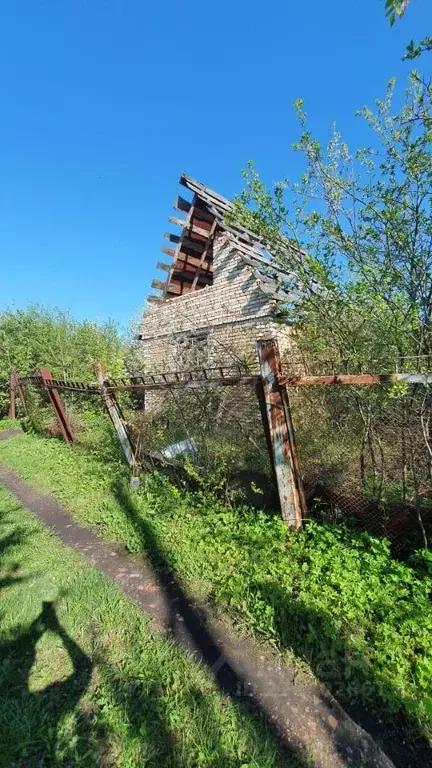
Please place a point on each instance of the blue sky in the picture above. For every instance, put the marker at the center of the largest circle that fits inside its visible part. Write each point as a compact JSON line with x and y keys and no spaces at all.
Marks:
{"x":105,"y":102}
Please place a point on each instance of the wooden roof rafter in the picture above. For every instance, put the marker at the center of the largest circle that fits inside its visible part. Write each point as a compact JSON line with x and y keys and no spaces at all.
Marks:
{"x":192,"y":255}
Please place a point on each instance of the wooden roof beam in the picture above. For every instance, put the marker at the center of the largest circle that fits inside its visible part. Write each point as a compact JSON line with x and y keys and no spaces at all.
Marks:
{"x":188,"y":277}
{"x":159,"y":284}
{"x":194,"y":245}
{"x":181,"y":204}
{"x":191,"y":227}
{"x":178,"y":222}
{"x":181,"y":256}
{"x":164,"y":267}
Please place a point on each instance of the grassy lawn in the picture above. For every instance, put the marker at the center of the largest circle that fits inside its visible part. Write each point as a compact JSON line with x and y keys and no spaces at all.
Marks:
{"x":9,"y":424}
{"x":84,"y":682}
{"x":330,"y":595}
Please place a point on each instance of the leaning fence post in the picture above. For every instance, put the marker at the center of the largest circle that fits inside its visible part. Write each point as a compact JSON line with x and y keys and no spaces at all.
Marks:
{"x":20,"y":389}
{"x":58,"y":406}
{"x":282,"y":438}
{"x":113,"y":408}
{"x":15,"y":388}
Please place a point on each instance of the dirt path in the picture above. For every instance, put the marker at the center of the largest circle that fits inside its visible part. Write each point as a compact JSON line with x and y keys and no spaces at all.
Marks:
{"x":305,"y":716}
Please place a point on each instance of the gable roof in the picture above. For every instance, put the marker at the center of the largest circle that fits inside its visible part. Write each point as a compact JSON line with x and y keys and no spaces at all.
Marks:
{"x":192,"y":258}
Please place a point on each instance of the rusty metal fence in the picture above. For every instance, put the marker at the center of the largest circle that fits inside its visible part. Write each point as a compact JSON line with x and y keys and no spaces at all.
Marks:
{"x":365,"y":449}
{"x":338,"y":445}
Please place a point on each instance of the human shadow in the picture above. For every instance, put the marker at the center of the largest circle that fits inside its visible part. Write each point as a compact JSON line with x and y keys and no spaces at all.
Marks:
{"x":9,"y":574}
{"x":188,"y":625}
{"x":30,"y":731}
{"x":337,"y":665}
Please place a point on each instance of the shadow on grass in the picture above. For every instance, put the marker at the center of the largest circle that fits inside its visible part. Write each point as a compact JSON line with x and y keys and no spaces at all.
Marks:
{"x":188,"y":625}
{"x":29,"y":719}
{"x":55,"y":726}
{"x":342,"y":668}
{"x":10,"y":575}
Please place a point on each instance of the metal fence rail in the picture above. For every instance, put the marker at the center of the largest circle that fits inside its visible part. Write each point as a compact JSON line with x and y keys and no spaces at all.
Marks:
{"x":365,"y":455}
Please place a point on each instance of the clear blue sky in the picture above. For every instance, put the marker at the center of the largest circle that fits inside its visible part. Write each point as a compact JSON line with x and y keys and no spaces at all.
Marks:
{"x":105,"y":102}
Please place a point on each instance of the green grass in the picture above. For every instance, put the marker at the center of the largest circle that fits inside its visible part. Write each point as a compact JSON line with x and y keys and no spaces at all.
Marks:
{"x":85,"y":683}
{"x":333,"y":596}
{"x":9,"y":424}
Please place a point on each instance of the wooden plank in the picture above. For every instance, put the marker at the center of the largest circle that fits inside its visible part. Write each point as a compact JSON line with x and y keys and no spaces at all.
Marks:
{"x":178,"y":287}
{"x":162,"y":266}
{"x":186,"y":258}
{"x":194,"y":228}
{"x":182,"y":205}
{"x":200,"y":225}
{"x":199,"y":188}
{"x":169,"y":251}
{"x":288,"y":478}
{"x":168,"y":291}
{"x":192,"y":245}
{"x":185,"y":275}
{"x":171,"y":237}
{"x":204,"y":256}
{"x":159,"y":284}
{"x":114,"y":412}
{"x":178,"y":222}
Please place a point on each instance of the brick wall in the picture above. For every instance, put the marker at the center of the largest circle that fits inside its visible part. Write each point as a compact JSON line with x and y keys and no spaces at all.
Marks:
{"x":233,"y":313}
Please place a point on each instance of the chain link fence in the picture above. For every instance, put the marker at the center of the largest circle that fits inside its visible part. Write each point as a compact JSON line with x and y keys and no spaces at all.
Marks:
{"x":366,"y":452}
{"x":215,"y":434}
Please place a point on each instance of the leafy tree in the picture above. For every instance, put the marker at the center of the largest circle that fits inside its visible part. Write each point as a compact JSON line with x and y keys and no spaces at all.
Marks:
{"x":395,"y":9}
{"x":355,"y":236}
{"x":37,"y":337}
{"x":360,"y":229}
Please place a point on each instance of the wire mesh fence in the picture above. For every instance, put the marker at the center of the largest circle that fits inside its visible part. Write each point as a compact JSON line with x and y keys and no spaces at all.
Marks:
{"x":215,"y":433}
{"x":363,"y":451}
{"x":366,"y":452}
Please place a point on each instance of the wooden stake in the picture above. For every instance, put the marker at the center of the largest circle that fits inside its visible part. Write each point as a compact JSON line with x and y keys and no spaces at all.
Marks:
{"x":282,"y":439}
{"x":114,"y":411}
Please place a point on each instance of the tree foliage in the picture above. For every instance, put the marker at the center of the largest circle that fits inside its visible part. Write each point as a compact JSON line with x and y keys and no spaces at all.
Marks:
{"x":360,"y":227}
{"x":394,"y":9}
{"x":37,"y":337}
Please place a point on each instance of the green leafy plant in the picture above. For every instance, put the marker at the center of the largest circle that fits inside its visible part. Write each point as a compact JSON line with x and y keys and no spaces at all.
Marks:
{"x":329,"y":596}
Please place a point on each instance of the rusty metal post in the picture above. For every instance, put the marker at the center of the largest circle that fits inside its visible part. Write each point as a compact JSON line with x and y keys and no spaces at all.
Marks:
{"x":114,"y":411}
{"x":259,"y":389}
{"x":282,"y":438}
{"x":15,"y":388}
{"x":11,"y":411}
{"x":58,"y":406}
{"x":20,"y":389}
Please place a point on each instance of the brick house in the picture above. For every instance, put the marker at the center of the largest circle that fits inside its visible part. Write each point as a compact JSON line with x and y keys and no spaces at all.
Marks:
{"x":220,"y":295}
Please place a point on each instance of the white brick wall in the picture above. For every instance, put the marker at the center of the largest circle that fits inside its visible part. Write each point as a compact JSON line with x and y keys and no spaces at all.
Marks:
{"x":234,"y":310}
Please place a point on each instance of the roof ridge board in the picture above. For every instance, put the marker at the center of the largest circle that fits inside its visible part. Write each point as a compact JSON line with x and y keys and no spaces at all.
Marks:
{"x":197,"y":186}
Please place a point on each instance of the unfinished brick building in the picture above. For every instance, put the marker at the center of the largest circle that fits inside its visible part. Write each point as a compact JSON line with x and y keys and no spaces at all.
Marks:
{"x":221,"y":293}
